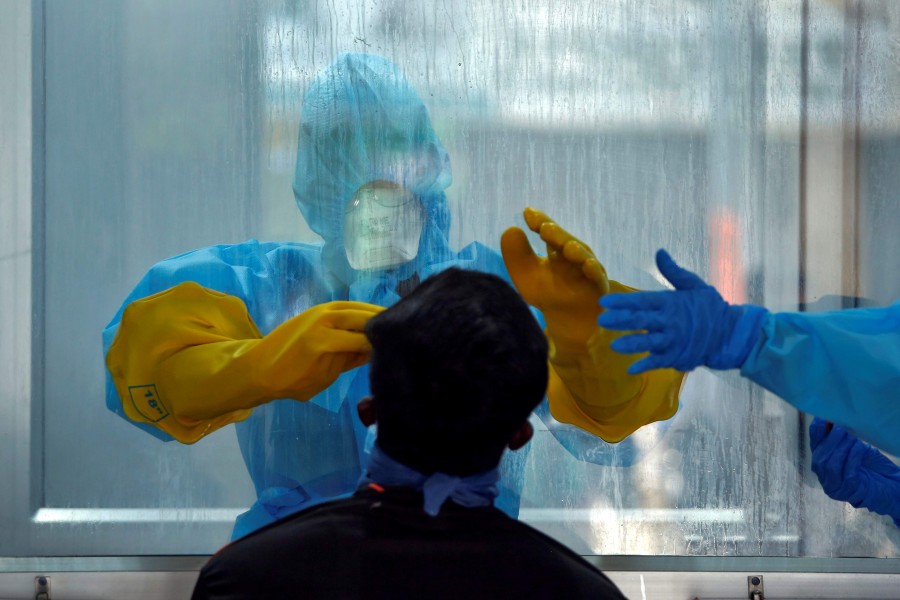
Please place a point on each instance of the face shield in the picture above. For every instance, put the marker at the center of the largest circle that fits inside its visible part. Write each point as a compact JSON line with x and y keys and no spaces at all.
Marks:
{"x":382,"y":226}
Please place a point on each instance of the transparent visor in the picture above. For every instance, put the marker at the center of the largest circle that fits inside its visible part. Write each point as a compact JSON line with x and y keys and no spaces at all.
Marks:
{"x":382,"y":227}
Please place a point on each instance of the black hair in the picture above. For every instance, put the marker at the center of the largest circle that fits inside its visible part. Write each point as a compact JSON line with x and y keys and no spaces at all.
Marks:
{"x":457,"y":366}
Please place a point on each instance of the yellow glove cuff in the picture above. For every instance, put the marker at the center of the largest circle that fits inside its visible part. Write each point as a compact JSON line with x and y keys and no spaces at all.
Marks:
{"x":156,"y":328}
{"x":590,"y":386}
{"x":656,"y":401}
{"x":190,"y":360}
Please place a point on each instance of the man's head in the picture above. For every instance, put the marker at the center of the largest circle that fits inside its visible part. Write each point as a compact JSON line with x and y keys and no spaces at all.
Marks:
{"x":457,"y":367}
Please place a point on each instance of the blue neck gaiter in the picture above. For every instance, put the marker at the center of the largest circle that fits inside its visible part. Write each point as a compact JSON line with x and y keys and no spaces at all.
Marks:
{"x":472,"y":491}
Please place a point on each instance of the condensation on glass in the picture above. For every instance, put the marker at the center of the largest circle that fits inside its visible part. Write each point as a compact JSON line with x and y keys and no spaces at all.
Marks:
{"x":757,"y":141}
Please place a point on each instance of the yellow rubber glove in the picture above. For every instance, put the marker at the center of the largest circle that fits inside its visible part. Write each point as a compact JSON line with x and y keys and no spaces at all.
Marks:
{"x":190,"y":360}
{"x":589,"y":382}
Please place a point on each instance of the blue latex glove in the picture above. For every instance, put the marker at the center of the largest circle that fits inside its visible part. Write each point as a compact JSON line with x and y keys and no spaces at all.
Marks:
{"x":686,"y":328}
{"x":853,"y":471}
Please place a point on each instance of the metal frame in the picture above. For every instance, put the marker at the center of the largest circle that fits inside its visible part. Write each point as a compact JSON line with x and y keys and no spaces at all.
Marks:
{"x":151,"y":578}
{"x":23,"y":144}
{"x":617,"y":563}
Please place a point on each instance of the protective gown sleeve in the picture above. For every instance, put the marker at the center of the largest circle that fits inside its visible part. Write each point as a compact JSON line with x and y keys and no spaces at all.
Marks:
{"x":842,"y":366}
{"x":590,"y":386}
{"x":190,"y":360}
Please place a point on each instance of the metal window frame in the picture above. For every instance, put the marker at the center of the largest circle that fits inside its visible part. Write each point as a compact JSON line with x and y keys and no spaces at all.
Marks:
{"x":166,"y":577}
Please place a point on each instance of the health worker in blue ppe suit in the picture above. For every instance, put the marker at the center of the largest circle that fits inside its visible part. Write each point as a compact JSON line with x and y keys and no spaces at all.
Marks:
{"x":269,"y":335}
{"x":842,"y":366}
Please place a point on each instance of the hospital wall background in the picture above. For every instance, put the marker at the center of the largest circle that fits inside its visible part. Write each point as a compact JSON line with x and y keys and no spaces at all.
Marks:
{"x":757,"y":141}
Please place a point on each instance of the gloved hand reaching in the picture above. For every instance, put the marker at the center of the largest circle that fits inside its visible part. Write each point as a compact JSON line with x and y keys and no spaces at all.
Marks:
{"x":589,"y":385}
{"x":190,"y":360}
{"x":685,"y":328}
{"x":565,"y":285}
{"x":853,"y":471}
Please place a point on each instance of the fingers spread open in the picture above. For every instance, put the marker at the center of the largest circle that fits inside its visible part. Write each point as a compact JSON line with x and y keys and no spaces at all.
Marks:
{"x":517,"y":252}
{"x":352,"y":320}
{"x":636,"y":301}
{"x":594,"y":271}
{"x":627,"y":320}
{"x":621,"y":319}
{"x":681,"y":278}
{"x":641,"y":342}
{"x":648,"y":363}
{"x":374,"y":309}
{"x":535,"y":218}
{"x":576,"y":252}
{"x":339,"y":340}
{"x":555,"y":236}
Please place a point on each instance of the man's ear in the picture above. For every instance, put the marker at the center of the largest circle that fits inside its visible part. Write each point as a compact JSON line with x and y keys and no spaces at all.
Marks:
{"x":521,"y":436}
{"x":365,"y":408}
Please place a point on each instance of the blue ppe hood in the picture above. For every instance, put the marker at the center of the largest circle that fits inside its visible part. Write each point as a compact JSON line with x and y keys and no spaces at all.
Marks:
{"x":362,"y":122}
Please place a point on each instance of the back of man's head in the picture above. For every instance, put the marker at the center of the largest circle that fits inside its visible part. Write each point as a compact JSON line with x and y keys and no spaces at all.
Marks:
{"x":457,"y":366}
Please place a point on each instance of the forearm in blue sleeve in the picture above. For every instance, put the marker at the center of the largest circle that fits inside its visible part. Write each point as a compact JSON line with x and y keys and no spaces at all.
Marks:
{"x":843,"y":366}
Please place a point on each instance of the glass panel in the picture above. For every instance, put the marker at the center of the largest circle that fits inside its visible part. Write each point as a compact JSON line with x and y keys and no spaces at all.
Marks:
{"x":709,"y":128}
{"x":151,"y":142}
{"x":878,"y":63}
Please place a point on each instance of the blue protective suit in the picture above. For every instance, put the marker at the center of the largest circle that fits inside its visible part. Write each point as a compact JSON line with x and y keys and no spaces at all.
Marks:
{"x":842,"y":366}
{"x":361,"y":122}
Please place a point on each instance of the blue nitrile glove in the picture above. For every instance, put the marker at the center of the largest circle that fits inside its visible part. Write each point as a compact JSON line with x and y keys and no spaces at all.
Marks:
{"x":853,"y":471}
{"x":685,"y":328}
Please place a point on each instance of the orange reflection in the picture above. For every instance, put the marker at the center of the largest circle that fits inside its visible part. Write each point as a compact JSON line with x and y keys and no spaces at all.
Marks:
{"x":726,"y":267}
